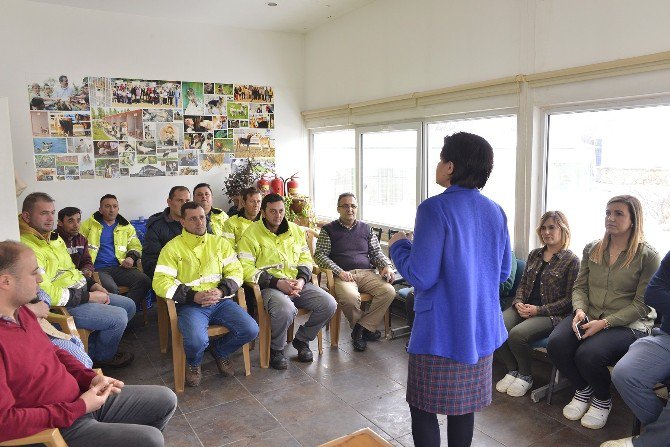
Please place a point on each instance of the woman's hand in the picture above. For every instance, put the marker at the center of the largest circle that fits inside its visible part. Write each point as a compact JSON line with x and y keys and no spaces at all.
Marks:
{"x":593,"y":327}
{"x":579,"y":316}
{"x":526,"y":310}
{"x":396,"y":237}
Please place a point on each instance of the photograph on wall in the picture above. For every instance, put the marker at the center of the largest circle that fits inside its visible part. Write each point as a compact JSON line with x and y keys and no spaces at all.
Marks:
{"x":64,"y":92}
{"x":79,"y":145}
{"x":253,"y":93}
{"x":49,"y":145}
{"x":109,"y":127}
{"x":146,"y":94}
{"x":193,"y":98}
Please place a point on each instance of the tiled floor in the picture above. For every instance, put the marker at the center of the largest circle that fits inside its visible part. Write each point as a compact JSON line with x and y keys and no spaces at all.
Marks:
{"x":340,"y":392}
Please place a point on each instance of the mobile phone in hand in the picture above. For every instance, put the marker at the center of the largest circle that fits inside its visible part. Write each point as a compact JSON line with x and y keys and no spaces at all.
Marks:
{"x":580,"y":331}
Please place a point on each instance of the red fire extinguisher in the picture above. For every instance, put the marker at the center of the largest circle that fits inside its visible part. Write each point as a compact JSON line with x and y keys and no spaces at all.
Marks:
{"x":292,"y":185}
{"x":277,"y":185}
{"x":264,"y":184}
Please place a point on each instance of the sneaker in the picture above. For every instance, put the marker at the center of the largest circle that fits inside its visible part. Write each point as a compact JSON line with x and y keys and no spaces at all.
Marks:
{"x":595,"y":418}
{"x":575,"y":409}
{"x":358,"y":340}
{"x":519,"y":387}
{"x":625,"y":442}
{"x":304,"y":353}
{"x":505,"y":382}
{"x":277,"y":359}
{"x":225,"y":366}
{"x":371,"y":336}
{"x":193,"y":375}
{"x":120,"y":360}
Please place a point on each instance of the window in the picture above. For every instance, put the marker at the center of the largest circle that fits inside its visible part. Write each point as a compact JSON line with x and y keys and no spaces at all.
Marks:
{"x":593,"y":156}
{"x":389,"y":161}
{"x":334,"y":166}
{"x":500,"y":132}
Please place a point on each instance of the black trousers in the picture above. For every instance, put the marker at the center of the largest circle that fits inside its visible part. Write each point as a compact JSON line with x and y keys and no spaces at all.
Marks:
{"x":585,"y":362}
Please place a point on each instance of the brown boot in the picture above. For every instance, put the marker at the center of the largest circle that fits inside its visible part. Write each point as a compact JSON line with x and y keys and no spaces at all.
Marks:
{"x":193,"y":375}
{"x":121,"y":359}
{"x":225,"y":366}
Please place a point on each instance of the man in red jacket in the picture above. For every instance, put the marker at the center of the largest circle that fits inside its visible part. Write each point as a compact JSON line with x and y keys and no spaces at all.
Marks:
{"x":43,"y":386}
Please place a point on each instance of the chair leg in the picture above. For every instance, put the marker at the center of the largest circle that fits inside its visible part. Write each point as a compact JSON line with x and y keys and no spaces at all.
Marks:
{"x":163,"y":323}
{"x":319,"y":338}
{"x":264,"y":339}
{"x":247,"y":359}
{"x":552,"y":382}
{"x":178,"y":362}
{"x":387,"y":323}
{"x":335,"y":328}
{"x":289,"y":333}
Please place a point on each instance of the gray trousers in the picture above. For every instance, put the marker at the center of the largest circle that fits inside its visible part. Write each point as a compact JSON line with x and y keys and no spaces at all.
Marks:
{"x":113,"y":277}
{"x":283,"y":309}
{"x":646,"y":363}
{"x":135,"y":416}
{"x":516,"y":352}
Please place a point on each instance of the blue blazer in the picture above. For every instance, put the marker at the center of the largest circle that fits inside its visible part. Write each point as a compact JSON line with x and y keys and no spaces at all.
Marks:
{"x":460,"y":254}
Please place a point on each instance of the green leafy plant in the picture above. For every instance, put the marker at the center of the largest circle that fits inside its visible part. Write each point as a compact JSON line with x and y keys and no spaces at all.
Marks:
{"x":299,"y":210}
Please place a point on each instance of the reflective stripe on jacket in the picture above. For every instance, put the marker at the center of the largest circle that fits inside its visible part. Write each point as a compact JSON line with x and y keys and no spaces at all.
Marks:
{"x":280,"y":255}
{"x":196,"y":263}
{"x":126,"y":242}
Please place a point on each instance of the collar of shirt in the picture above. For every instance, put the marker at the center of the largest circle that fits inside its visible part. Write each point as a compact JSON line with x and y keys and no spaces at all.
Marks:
{"x":348,"y":228}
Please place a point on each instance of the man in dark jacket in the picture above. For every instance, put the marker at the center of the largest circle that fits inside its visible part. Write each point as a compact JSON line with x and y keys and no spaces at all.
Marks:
{"x":162,"y":227}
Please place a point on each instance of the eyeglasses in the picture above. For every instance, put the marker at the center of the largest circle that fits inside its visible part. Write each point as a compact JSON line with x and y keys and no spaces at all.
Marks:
{"x":346,"y":207}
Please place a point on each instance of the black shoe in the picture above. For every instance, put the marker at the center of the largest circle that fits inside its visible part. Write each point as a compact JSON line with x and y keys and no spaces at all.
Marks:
{"x":120,"y":360}
{"x":304,"y":353}
{"x":371,"y":336}
{"x":277,"y":359}
{"x":357,"y":336}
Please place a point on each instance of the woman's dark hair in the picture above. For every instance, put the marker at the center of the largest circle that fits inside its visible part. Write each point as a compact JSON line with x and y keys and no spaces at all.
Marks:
{"x":472,"y":157}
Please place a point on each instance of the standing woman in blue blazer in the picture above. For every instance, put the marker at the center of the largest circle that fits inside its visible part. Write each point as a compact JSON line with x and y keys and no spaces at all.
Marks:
{"x":460,"y":254}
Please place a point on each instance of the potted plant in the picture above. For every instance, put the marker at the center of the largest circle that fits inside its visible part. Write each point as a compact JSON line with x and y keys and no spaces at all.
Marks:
{"x":242,"y":178}
{"x":299,"y":210}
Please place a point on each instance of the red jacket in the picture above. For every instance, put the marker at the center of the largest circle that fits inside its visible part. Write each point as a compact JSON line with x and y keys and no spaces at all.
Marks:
{"x":40,"y":384}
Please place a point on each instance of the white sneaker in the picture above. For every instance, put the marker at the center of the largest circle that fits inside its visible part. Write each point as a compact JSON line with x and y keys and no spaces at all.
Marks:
{"x":519,"y":387}
{"x":575,"y":409}
{"x":505,"y":382}
{"x":595,"y":418}
{"x":625,"y":442}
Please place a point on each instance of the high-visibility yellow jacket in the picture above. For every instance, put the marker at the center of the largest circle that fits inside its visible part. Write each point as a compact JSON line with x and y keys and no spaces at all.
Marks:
{"x":267,"y":257}
{"x":235,"y":226}
{"x":190,"y":263}
{"x":126,"y":242}
{"x":60,"y":274}
{"x":216,"y":218}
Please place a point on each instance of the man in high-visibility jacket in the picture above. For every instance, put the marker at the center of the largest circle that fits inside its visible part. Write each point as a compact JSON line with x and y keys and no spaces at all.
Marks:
{"x":115,"y":250}
{"x":89,"y":303}
{"x":275,"y":255}
{"x":236,"y":225}
{"x":202,"y":195}
{"x":250,"y":200}
{"x":201,"y":273}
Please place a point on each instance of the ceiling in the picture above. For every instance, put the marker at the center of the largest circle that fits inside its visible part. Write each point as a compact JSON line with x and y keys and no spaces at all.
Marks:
{"x":297,"y":16}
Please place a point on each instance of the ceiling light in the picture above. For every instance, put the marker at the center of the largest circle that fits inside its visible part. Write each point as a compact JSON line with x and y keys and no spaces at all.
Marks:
{"x":272,"y":4}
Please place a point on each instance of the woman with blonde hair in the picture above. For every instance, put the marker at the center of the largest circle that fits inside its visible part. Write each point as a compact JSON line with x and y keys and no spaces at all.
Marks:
{"x":542,"y":300}
{"x":609,"y":311}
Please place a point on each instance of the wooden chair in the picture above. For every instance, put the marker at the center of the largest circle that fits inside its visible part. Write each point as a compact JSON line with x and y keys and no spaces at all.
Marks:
{"x":335,"y":321}
{"x":265,"y":326}
{"x":83,"y":333}
{"x":50,"y":437}
{"x":66,"y":323}
{"x":167,"y":317}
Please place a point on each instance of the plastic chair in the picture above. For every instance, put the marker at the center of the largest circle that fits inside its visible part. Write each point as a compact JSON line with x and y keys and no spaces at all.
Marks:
{"x":167,"y":316}
{"x":335,"y":320}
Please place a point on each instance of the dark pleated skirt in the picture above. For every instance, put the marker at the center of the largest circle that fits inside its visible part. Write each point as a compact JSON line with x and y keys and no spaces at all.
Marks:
{"x":441,"y":385}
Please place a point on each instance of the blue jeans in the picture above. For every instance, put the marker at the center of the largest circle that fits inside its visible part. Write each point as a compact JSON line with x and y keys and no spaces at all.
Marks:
{"x":108,"y":321}
{"x":193,"y":320}
{"x":646,"y":363}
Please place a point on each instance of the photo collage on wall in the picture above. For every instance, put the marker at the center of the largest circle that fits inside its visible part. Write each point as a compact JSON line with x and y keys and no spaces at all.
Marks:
{"x":88,"y":127}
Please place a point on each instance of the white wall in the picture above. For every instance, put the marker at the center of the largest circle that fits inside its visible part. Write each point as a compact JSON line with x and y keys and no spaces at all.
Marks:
{"x":37,"y":38}
{"x":393,"y":47}
{"x":9,"y":226}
